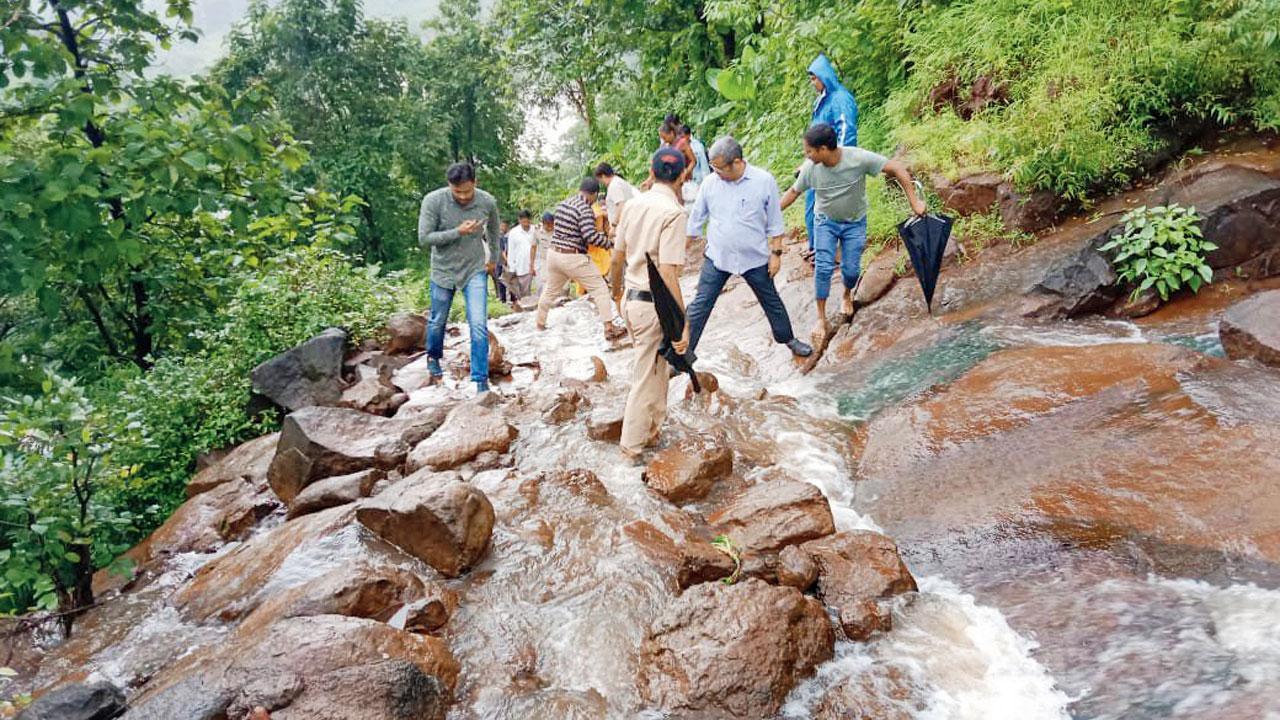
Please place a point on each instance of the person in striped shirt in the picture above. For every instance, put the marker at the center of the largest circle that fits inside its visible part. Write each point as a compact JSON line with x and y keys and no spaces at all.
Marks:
{"x":574,"y":230}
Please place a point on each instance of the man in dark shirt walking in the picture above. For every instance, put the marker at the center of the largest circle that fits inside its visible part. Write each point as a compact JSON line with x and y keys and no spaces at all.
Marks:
{"x":456,"y":222}
{"x":575,"y":229}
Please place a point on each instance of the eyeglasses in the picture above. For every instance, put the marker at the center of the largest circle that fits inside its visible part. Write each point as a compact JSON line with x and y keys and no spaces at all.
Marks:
{"x":722,"y":170}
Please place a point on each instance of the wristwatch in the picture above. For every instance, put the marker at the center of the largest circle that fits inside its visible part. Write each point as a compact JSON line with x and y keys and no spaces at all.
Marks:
{"x":777,"y":251}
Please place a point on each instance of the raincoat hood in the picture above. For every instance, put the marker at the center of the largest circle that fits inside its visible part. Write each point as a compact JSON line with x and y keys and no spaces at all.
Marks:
{"x":822,"y":69}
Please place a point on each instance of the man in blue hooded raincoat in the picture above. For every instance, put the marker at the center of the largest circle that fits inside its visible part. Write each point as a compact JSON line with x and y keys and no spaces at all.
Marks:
{"x":836,"y":107}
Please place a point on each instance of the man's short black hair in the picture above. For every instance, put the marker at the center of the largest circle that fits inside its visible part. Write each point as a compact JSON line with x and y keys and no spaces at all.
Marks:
{"x":667,"y":164}
{"x":821,"y":135}
{"x":604,"y":169}
{"x":459,"y":173}
{"x":589,"y":185}
{"x":523,"y":215}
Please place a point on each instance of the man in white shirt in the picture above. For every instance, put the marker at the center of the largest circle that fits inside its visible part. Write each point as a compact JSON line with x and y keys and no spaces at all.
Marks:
{"x":617,"y":191}
{"x":522,"y":250}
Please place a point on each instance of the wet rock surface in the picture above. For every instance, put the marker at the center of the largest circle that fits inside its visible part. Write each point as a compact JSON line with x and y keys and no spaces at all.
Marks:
{"x":94,"y":701}
{"x":309,"y":374}
{"x":334,"y":491}
{"x":444,"y":523}
{"x":406,"y":333}
{"x":686,"y":471}
{"x":733,"y":651}
{"x":469,"y":430}
{"x":856,"y":571}
{"x":769,"y":516}
{"x":317,"y":443}
{"x":1251,"y":329}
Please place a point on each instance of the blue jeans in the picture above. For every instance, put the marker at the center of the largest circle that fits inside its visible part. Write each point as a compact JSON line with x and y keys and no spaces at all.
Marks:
{"x":475,"y":293}
{"x":712,"y":281}
{"x":851,"y":238}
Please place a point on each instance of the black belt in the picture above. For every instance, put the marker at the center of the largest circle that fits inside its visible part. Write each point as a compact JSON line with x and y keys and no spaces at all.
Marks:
{"x":640,"y":295}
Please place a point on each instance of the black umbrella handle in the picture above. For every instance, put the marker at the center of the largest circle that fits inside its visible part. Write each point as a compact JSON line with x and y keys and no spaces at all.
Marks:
{"x":693,"y":380}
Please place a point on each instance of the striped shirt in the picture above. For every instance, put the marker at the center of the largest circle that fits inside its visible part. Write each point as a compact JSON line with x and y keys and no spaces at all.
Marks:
{"x":575,"y":227}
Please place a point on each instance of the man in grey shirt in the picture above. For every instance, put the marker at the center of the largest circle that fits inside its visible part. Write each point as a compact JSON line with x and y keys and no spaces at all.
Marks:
{"x":838,"y":177}
{"x":456,"y":222}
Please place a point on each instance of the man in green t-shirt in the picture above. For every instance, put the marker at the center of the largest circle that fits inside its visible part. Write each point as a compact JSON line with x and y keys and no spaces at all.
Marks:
{"x":838,"y":177}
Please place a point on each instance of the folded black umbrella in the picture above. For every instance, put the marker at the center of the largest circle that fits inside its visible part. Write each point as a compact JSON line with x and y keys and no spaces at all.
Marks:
{"x":671,"y":319}
{"x":926,"y":238}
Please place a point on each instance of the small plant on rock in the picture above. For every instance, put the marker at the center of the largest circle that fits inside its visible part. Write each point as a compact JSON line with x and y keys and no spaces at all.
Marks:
{"x":726,"y":546}
{"x":1161,"y":248}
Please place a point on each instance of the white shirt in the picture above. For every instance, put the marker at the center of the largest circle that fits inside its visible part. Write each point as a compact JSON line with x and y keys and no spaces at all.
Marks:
{"x":519,"y":243}
{"x":619,"y":192}
{"x":740,"y":216}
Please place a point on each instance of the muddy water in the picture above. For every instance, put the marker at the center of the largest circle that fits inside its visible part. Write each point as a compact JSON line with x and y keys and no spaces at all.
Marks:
{"x":1089,"y":506}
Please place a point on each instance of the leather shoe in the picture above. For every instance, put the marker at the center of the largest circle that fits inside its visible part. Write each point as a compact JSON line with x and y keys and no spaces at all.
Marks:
{"x":799,"y":348}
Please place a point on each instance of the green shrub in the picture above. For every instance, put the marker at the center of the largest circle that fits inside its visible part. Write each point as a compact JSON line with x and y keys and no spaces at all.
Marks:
{"x":1161,"y":247}
{"x":55,"y":458}
{"x":191,"y":404}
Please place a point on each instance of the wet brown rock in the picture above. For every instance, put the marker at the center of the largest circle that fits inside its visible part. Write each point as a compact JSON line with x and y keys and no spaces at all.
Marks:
{"x":885,"y":695}
{"x":1028,"y":212}
{"x":309,"y":374}
{"x":796,"y":568}
{"x":769,"y":516}
{"x":406,"y":333}
{"x":359,"y":590}
{"x":445,"y":525}
{"x":1141,"y":306}
{"x":234,"y":584}
{"x":321,"y":442}
{"x":732,"y":651}
{"x":685,"y":471}
{"x":431,"y":613}
{"x":856,"y":572}
{"x":692,"y":559}
{"x":334,"y":491}
{"x":205,"y":522}
{"x":373,"y":395}
{"x":469,"y":429}
{"x":308,"y":668}
{"x":969,"y":195}
{"x":605,"y":422}
{"x":563,"y":407}
{"x":1251,"y":329}
{"x":876,"y":279}
{"x":248,"y":461}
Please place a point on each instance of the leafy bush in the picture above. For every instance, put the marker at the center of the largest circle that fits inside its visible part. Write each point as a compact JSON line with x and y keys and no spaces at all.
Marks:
{"x":55,"y":457}
{"x":191,"y":404}
{"x":1161,"y":247}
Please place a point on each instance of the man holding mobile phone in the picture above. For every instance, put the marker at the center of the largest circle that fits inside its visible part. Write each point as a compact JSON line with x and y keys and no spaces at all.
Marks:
{"x":456,"y":222}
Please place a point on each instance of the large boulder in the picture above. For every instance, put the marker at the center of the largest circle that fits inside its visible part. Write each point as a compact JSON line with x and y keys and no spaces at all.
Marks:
{"x":686,"y":471}
{"x":1085,"y":282}
{"x":355,"y":590}
{"x":444,"y":523}
{"x":857,"y":572}
{"x":309,"y":374}
{"x":209,"y":520}
{"x":969,"y":195}
{"x":308,"y":668}
{"x":320,"y":442}
{"x":334,"y":491}
{"x":877,"y":278}
{"x":1251,"y":329}
{"x":406,"y":333}
{"x":375,"y":395}
{"x":94,"y":701}
{"x":732,"y":651}
{"x":468,"y":430}
{"x":1240,"y":213}
{"x":248,"y":461}
{"x":1028,"y":212}
{"x":767,"y":517}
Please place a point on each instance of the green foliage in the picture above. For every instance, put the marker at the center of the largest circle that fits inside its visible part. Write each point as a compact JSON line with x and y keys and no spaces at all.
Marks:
{"x":725,"y":545}
{"x":1161,"y":247}
{"x":191,"y":404}
{"x":55,"y":457}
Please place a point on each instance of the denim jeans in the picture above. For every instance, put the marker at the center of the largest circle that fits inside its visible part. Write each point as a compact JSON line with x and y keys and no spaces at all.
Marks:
{"x":851,"y":238}
{"x":711,"y":281}
{"x":809,"y":201}
{"x":475,"y":293}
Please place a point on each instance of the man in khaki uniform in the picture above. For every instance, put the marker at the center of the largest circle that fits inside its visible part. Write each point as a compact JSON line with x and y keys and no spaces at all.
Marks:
{"x":654,"y":224}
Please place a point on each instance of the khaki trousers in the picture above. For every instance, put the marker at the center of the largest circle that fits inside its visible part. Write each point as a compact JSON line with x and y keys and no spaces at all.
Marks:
{"x":647,"y":400}
{"x":563,"y":267}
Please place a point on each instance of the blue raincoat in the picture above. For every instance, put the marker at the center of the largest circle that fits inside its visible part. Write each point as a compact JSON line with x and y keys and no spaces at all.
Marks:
{"x":837,"y":108}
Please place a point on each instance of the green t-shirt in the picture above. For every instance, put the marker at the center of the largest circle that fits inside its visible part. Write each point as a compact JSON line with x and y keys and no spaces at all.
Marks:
{"x":840,"y":191}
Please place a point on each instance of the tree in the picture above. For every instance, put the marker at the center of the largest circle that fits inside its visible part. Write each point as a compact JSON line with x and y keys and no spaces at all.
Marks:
{"x":352,"y":88}
{"x":119,"y":202}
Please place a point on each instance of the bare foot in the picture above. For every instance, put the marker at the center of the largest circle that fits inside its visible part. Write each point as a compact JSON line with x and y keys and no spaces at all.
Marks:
{"x":846,"y":306}
{"x":819,"y":334}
